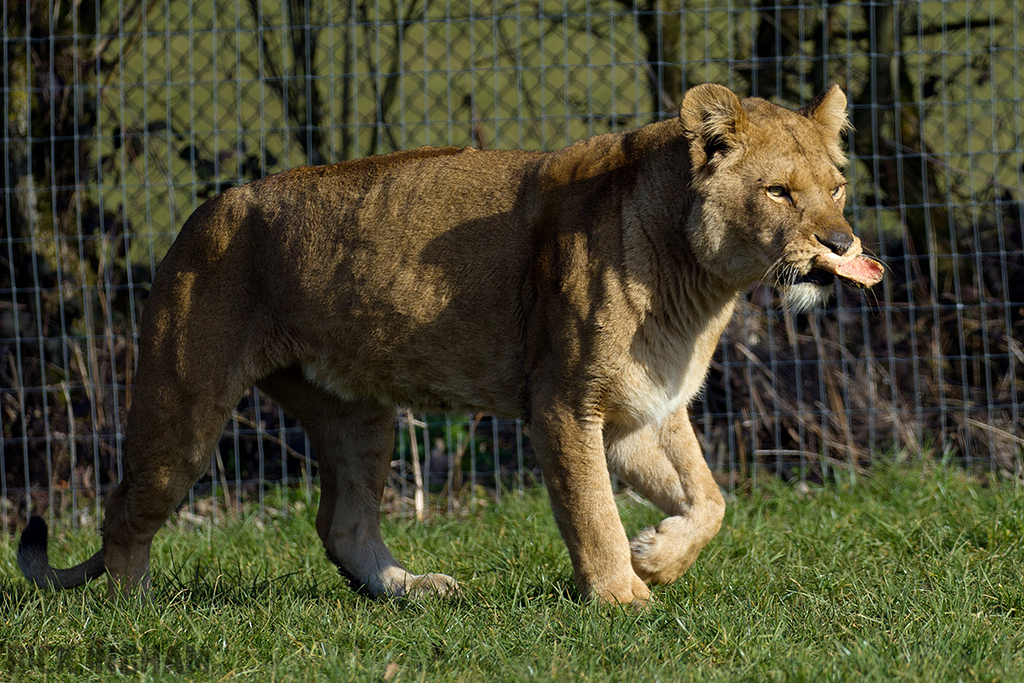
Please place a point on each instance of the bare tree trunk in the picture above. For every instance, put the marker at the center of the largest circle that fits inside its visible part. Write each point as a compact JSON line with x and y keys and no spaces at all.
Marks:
{"x":778,"y":36}
{"x":385,"y":95}
{"x":297,"y":88}
{"x":308,"y":104}
{"x":47,"y":152}
{"x":46,"y":155}
{"x":779,"y":63}
{"x":661,"y":24}
{"x":19,"y":201}
{"x":348,"y":86}
{"x":889,"y":130}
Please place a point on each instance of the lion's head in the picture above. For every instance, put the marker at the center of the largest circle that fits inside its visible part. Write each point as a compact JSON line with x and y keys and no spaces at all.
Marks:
{"x":771,"y":194}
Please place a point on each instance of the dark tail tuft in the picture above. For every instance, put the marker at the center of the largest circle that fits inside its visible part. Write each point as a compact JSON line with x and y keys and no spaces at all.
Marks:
{"x":32,"y":554}
{"x":35,"y":536}
{"x":34,"y":560}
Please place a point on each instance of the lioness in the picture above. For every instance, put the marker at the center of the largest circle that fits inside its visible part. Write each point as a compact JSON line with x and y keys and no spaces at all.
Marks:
{"x":583,"y":290}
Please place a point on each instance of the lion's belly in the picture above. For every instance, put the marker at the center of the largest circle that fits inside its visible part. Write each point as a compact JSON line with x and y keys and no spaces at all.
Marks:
{"x":429,"y":380}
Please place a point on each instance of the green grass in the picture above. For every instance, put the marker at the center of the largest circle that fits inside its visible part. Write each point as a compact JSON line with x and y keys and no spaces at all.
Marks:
{"x":909,"y":575}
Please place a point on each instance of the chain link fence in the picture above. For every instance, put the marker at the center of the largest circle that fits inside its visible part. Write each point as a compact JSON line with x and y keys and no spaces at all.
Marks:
{"x":120,"y":118}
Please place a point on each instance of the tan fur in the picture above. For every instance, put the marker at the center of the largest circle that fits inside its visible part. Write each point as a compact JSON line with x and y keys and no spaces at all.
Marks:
{"x":584,"y":290}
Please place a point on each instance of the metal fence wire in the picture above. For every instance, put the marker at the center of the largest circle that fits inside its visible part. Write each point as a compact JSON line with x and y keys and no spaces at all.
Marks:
{"x":121,"y":117}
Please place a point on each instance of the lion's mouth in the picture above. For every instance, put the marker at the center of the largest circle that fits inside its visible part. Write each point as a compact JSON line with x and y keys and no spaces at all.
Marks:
{"x":862,"y":271}
{"x":817,"y":276}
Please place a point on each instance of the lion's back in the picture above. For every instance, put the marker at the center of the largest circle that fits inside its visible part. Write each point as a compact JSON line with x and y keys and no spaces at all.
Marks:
{"x":401,"y":276}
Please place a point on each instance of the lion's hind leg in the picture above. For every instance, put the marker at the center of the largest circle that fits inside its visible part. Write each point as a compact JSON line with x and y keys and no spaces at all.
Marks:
{"x":173,"y":427}
{"x":666,"y":465}
{"x":353,"y":444}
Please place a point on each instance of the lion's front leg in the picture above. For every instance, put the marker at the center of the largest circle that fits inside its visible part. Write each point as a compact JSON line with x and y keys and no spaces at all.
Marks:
{"x":665,"y":464}
{"x":572,"y":458}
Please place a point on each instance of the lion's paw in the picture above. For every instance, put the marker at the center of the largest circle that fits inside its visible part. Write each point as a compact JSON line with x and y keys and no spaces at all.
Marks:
{"x":630,"y":591}
{"x":662,"y":554}
{"x":425,"y":585}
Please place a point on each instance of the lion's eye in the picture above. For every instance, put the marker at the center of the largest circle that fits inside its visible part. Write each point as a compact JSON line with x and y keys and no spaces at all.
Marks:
{"x":778,"y":193}
{"x":837,"y":193}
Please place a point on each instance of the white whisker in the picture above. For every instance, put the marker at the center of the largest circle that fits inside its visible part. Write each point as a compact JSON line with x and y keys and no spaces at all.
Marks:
{"x":796,"y":296}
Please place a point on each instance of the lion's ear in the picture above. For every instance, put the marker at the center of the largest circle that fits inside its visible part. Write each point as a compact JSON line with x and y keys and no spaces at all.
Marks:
{"x":713,"y":117}
{"x":829,"y":111}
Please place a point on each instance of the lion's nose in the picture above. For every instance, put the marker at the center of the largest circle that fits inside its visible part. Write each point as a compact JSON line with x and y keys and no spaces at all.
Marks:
{"x":838,"y":242}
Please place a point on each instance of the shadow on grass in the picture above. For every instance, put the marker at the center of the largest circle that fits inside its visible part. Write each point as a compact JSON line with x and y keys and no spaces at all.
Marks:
{"x":207,"y":585}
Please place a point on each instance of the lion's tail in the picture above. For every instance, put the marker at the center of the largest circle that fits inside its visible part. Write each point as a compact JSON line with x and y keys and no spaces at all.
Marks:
{"x":34,"y":561}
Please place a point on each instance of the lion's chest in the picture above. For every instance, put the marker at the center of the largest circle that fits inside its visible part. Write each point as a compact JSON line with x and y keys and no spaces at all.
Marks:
{"x":663,"y":372}
{"x":647,"y":393}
